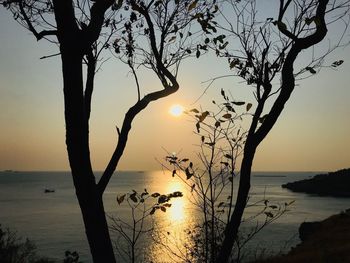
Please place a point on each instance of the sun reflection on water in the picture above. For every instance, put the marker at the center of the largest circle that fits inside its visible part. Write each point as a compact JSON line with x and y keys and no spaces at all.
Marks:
{"x":176,"y":212}
{"x":174,"y":224}
{"x":164,"y":183}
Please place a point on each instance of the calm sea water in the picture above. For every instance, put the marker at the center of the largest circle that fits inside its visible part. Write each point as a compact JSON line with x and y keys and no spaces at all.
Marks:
{"x":53,"y":220}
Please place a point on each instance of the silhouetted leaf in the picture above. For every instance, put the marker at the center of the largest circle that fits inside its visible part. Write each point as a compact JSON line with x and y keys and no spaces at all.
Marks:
{"x":210,"y":143}
{"x":192,"y":187}
{"x":269,"y":214}
{"x":217,"y":124}
{"x":172,"y":39}
{"x":176,"y":28}
{"x":198,"y":127}
{"x":228,"y":156}
{"x":155,"y":195}
{"x":203,"y":116}
{"x":238,"y":103}
{"x":233,"y":63}
{"x":177,"y":194}
{"x":249,"y":105}
{"x":163,"y":199}
{"x":224,"y":163}
{"x":152,"y":211}
{"x":273,"y":206}
{"x":198,"y":53}
{"x":120,"y":199}
{"x":311,"y":70}
{"x":230,"y":108}
{"x":221,"y":204}
{"x":223,"y":93}
{"x":337,"y":63}
{"x":308,"y":21}
{"x":192,"y":5}
{"x":194,"y":110}
{"x":133,"y":197}
{"x":163,"y":208}
{"x":167,"y":205}
{"x":189,"y":174}
{"x":219,"y":38}
{"x":174,"y":173}
{"x":223,"y":46}
{"x":227,"y":116}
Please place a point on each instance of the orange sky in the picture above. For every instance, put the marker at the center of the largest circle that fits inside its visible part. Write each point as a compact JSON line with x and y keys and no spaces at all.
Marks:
{"x":312,"y":133}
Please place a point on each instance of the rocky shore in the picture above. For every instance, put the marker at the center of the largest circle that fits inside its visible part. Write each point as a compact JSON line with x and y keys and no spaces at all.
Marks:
{"x":327,"y":241}
{"x":335,"y":184}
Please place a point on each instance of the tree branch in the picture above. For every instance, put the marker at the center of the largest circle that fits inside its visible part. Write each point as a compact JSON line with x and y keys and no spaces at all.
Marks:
{"x":163,"y":74}
{"x":288,"y":79}
{"x":50,"y":56}
{"x":89,"y":85}
{"x":123,"y":137}
{"x":98,"y":10}
{"x":38,"y":35}
{"x":136,"y":79}
{"x":281,"y":26}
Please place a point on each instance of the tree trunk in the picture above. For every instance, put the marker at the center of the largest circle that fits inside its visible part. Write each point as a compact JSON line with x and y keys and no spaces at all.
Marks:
{"x":77,"y":140}
{"x":96,"y":228}
{"x":232,"y":227}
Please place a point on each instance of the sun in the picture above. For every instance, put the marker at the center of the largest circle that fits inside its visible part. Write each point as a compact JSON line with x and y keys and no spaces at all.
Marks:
{"x":176,"y":110}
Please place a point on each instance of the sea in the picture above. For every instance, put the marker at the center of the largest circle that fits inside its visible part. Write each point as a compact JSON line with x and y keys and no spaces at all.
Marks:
{"x":53,"y":221}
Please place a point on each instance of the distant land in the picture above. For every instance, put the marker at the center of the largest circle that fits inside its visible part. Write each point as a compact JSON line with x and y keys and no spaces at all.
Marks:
{"x":336,"y":184}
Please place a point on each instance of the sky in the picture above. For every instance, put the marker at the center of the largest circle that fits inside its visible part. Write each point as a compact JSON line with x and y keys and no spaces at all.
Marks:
{"x":311,"y":135}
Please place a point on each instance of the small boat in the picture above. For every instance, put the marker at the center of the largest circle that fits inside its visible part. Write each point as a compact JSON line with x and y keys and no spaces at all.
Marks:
{"x":48,"y":190}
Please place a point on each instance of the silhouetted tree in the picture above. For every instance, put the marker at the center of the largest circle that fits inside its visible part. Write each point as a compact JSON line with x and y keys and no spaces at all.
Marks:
{"x":211,"y":183}
{"x":269,"y":47}
{"x":82,"y":29}
{"x":142,"y":207}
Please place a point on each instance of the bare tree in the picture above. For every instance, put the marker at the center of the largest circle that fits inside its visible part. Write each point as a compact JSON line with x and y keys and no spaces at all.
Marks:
{"x":83,"y":29}
{"x":268,"y":48}
{"x":212,"y":181}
